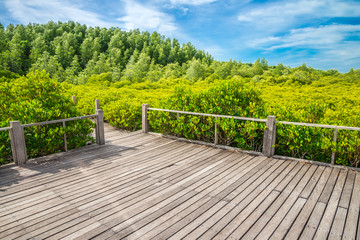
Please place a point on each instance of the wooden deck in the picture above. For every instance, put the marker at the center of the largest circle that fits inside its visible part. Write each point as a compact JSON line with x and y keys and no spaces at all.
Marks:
{"x":143,"y":186}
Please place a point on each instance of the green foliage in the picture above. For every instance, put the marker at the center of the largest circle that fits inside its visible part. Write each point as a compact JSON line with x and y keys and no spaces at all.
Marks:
{"x":121,"y":103}
{"x":127,"y":68}
{"x":37,"y":98}
{"x":233,"y":97}
{"x":318,"y":102}
{"x":72,"y":52}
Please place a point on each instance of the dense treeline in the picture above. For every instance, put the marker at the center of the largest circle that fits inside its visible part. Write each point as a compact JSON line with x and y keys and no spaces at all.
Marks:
{"x":72,"y":52}
{"x":126,"y":69}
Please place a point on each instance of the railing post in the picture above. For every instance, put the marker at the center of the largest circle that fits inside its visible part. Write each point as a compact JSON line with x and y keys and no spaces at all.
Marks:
{"x":333,"y":153}
{"x":74,"y":99}
{"x":97,"y":104}
{"x":99,"y":128}
{"x":145,"y":120}
{"x":18,"y":145}
{"x":216,"y":133}
{"x":65,"y":138}
{"x":269,"y":137}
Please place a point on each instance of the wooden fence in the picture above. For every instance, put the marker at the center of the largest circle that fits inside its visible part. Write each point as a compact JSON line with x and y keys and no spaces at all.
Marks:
{"x":17,"y":137}
{"x":269,"y":141}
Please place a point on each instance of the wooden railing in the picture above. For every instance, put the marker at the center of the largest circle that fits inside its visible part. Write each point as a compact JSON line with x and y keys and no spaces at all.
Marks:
{"x":17,"y":137}
{"x":269,"y":141}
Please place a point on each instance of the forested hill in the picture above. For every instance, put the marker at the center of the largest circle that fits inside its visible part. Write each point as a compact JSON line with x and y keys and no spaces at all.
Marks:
{"x":66,"y":50}
{"x":73,"y":52}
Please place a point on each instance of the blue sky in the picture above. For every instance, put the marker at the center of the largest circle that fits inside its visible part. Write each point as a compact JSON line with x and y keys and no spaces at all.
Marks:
{"x":323,"y":34}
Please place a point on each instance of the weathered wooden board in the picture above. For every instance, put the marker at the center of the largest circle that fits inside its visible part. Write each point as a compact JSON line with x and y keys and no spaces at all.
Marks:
{"x":144,"y":186}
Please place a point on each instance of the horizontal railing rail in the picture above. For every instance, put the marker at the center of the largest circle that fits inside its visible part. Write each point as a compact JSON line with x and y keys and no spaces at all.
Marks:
{"x":5,"y":128}
{"x":209,"y":115}
{"x":269,"y":133}
{"x":58,"y":121}
{"x":17,"y":136}
{"x":319,"y":125}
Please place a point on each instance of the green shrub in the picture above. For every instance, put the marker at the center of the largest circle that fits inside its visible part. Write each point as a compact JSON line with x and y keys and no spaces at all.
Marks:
{"x":36,"y":98}
{"x":231,"y":97}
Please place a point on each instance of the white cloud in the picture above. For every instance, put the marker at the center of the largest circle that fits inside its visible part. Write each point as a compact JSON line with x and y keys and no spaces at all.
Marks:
{"x":42,"y":11}
{"x":303,"y":31}
{"x":284,"y":13}
{"x":323,"y":37}
{"x":147,"y":18}
{"x":333,"y":44}
{"x":192,"y":2}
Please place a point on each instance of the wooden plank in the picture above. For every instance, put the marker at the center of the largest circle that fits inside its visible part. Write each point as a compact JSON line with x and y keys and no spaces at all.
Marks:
{"x":270,"y":212}
{"x":121,"y":180}
{"x":338,"y":224}
{"x":59,"y":182}
{"x":135,"y":223}
{"x":329,"y":214}
{"x":169,"y":219}
{"x":107,"y":196}
{"x":283,"y":196}
{"x":47,"y":177}
{"x":28,"y":202}
{"x":126,"y":194}
{"x":268,"y":181}
{"x":126,"y":174}
{"x":106,"y":233}
{"x":312,"y":183}
{"x":299,"y":180}
{"x":186,"y":219}
{"x":109,"y":215}
{"x":73,"y":153}
{"x":134,"y":188}
{"x":252,"y":215}
{"x":313,"y":222}
{"x":17,"y":230}
{"x":325,"y":195}
{"x":302,"y":219}
{"x":181,"y":220}
{"x":347,"y":191}
{"x":35,"y":216}
{"x":150,"y":221}
{"x":207,"y":183}
{"x":199,"y":223}
{"x":226,"y":181}
{"x":14,"y":216}
{"x":205,"y":220}
{"x":290,"y":217}
{"x":68,"y":228}
{"x":352,"y":218}
{"x":47,"y":230}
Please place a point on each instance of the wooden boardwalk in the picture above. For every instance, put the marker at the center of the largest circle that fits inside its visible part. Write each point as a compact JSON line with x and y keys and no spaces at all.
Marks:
{"x":141,"y":186}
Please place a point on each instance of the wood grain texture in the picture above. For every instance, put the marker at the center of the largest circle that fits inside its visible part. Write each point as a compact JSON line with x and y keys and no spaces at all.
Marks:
{"x":141,"y":186}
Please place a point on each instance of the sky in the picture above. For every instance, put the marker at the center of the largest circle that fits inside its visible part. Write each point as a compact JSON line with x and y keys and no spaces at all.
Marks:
{"x":324,"y":34}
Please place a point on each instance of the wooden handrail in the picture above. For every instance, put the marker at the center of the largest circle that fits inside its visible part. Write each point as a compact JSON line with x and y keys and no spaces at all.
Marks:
{"x":17,"y":137}
{"x":5,"y":128}
{"x":258,"y":119}
{"x":209,"y":115}
{"x":58,"y":121}
{"x":269,"y":134}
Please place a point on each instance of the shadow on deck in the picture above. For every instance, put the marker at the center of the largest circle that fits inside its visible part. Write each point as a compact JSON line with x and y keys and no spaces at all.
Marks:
{"x":143,"y":186}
